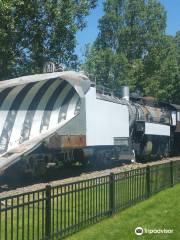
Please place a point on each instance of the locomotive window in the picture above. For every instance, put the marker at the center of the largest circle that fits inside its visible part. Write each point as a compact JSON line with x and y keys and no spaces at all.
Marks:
{"x":178,"y":116}
{"x":121,"y":141}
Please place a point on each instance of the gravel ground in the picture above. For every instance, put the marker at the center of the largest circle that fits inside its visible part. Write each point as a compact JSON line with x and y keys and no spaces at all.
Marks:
{"x":83,"y":176}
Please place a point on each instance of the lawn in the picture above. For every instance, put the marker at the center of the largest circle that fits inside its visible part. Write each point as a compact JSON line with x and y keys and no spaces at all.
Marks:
{"x":71,"y":207}
{"x":159,"y":212}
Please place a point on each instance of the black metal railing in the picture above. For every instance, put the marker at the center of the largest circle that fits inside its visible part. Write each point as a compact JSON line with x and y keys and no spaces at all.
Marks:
{"x":56,"y":212}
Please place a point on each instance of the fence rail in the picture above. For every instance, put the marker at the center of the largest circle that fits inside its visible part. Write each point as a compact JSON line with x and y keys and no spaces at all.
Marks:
{"x":56,"y":212}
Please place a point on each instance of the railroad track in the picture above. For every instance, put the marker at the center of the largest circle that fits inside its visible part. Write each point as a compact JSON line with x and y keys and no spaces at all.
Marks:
{"x":74,"y":174}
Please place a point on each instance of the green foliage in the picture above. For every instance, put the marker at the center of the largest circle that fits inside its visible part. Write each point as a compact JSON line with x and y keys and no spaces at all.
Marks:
{"x":162,"y":71}
{"x":32,"y":32}
{"x":177,"y":43}
{"x":132,"y":49}
{"x":108,"y":68}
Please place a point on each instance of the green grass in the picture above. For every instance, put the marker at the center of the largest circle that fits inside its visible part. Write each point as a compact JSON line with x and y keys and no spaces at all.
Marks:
{"x":159,"y":212}
{"x":77,"y":205}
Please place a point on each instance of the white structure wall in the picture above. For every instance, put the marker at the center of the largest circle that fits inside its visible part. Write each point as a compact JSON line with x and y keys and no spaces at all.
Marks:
{"x":157,"y":129}
{"x":173,"y":116}
{"x":104,"y":120}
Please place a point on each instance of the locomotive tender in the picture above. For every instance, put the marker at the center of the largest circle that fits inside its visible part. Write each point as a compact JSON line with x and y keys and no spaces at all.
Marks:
{"x":63,"y":118}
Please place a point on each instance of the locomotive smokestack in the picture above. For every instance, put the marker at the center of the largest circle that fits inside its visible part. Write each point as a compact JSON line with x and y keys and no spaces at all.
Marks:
{"x":125,"y":92}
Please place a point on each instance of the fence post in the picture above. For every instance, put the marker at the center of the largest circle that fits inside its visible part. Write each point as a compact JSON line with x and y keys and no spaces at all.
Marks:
{"x":171,"y":174}
{"x":48,"y":213}
{"x":148,"y":187}
{"x":111,"y":193}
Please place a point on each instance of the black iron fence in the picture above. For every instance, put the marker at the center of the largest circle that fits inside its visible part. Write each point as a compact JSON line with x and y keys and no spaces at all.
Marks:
{"x":56,"y":212}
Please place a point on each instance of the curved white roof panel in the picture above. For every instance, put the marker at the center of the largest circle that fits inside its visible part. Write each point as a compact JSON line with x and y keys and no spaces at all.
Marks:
{"x":33,"y":108}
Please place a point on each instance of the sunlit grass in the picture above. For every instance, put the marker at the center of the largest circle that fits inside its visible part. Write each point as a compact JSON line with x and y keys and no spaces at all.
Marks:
{"x":159,"y":212}
{"x":76,"y":205}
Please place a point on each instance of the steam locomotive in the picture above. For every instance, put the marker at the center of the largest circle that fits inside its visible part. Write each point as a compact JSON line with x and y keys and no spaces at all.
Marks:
{"x":62,"y":118}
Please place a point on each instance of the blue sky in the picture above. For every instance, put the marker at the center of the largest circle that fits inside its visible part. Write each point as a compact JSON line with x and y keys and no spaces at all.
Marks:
{"x":89,"y":34}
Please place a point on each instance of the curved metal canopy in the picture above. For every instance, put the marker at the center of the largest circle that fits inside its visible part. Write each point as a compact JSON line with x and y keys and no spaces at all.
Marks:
{"x":33,"y":108}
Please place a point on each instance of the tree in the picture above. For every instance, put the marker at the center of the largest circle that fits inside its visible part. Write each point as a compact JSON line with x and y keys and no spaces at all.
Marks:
{"x":8,"y":51}
{"x":39,"y":31}
{"x":139,"y":52}
{"x":177,"y":43}
{"x":109,"y":69}
{"x":131,"y":26}
{"x":162,"y":71}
